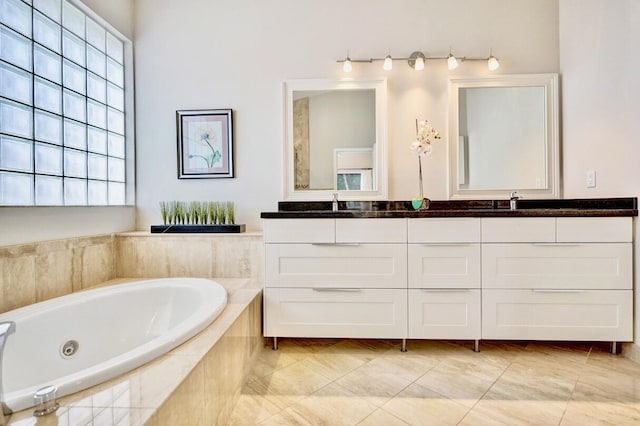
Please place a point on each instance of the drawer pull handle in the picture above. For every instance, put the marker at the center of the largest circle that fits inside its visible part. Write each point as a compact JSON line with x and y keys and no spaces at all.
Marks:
{"x":337,"y":289}
{"x":336,"y":244}
{"x":557,"y":244}
{"x":445,"y":290}
{"x":448,"y":244}
{"x":535,"y":290}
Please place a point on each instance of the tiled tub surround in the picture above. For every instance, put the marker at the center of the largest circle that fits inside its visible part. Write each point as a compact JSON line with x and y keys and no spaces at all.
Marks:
{"x":145,"y":255}
{"x":197,"y":383}
{"x":35,"y":272}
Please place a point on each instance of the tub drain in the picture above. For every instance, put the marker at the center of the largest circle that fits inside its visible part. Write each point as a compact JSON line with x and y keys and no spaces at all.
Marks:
{"x":69,"y":348}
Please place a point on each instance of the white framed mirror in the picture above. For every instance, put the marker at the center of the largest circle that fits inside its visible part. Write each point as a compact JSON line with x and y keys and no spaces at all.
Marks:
{"x":504,"y":136}
{"x":335,"y":139}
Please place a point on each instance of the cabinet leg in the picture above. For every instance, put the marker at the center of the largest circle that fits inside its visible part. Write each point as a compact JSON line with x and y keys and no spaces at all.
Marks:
{"x":614,"y":348}
{"x":275,"y":344}
{"x":476,"y":345}
{"x":403,"y":348}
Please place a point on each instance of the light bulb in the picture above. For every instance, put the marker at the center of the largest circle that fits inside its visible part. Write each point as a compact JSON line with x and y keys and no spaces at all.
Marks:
{"x":388,"y":63}
{"x":419,"y":64}
{"x":452,"y":62}
{"x":346,"y":66}
{"x":493,"y":63}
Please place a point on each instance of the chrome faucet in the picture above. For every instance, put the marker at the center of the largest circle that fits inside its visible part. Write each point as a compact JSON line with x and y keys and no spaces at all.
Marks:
{"x":6,"y":328}
{"x":513,"y":200}
{"x":334,"y":203}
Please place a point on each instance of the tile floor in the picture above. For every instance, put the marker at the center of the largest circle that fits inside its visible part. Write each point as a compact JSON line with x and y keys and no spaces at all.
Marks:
{"x":370,"y":382}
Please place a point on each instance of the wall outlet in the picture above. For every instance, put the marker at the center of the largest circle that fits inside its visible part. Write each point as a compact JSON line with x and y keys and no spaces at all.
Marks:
{"x":591,"y":178}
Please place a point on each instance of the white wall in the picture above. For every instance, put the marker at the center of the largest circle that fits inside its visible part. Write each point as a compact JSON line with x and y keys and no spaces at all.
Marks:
{"x":28,"y":224}
{"x":600,"y":92}
{"x":210,"y":54}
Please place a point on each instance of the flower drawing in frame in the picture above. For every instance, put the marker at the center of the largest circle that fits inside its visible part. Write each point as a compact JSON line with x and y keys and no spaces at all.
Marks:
{"x":205,"y":143}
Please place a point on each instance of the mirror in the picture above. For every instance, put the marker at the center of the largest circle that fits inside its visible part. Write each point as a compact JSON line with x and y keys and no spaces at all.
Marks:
{"x":335,"y":139}
{"x":504,"y":136}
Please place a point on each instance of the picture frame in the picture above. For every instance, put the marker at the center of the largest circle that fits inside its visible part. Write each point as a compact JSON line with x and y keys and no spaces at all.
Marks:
{"x":205,"y":143}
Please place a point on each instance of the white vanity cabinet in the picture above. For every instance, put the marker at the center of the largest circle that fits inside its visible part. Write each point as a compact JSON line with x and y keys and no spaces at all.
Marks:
{"x":335,"y":278}
{"x":468,"y":278}
{"x":444,"y":278}
{"x":565,"y":278}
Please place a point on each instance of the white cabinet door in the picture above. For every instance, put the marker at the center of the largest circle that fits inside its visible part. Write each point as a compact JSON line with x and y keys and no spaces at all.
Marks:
{"x":444,"y":265}
{"x":371,"y":230}
{"x":299,"y":230}
{"x":444,"y":314}
{"x":557,"y":266}
{"x":336,"y":265}
{"x":605,"y":315}
{"x":347,"y":313}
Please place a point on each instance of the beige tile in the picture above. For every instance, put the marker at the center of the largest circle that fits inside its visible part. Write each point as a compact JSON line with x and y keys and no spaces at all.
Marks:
{"x":417,"y":405}
{"x":54,"y":274}
{"x":141,"y":258}
{"x":580,"y":413}
{"x":515,"y":413}
{"x":343,"y":357}
{"x":17,"y":282}
{"x":268,"y":362}
{"x":97,"y":264}
{"x":464,"y":381}
{"x":290,"y":384}
{"x":604,"y":385}
{"x":381,"y":417}
{"x":603,"y":359}
{"x":303,"y":348}
{"x":251,"y":410}
{"x":330,"y":405}
{"x":237,"y":257}
{"x":189,"y":398}
{"x":373,"y":383}
{"x":532,"y":382}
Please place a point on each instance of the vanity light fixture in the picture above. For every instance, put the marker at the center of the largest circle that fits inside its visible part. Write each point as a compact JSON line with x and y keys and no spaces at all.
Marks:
{"x":347,"y":67}
{"x":452,"y":62}
{"x":388,"y":63}
{"x":492,"y":63}
{"x":417,"y":60}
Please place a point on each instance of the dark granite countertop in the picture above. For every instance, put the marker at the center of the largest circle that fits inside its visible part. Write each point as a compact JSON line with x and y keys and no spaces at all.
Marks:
{"x":584,"y":207}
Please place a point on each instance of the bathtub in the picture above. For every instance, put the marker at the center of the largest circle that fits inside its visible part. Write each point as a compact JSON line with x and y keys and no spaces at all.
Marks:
{"x":85,"y":338}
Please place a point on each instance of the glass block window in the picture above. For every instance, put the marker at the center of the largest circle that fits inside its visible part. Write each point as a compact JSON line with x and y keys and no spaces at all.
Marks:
{"x":63,"y":108}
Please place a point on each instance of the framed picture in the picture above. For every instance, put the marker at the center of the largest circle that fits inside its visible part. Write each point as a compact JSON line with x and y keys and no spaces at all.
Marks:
{"x":205,"y":143}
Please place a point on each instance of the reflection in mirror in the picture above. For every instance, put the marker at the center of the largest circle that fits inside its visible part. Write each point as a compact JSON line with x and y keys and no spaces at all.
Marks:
{"x":504,"y":136}
{"x":335,"y":139}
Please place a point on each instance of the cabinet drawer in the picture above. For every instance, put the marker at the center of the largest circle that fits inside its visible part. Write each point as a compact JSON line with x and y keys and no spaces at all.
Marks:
{"x":564,"y":266}
{"x":347,"y":313}
{"x":444,"y":265}
{"x":519,"y":229}
{"x":336,"y":265}
{"x":444,"y":314}
{"x":605,"y":315}
{"x":300,"y":231}
{"x":594,"y":229}
{"x":444,"y":230}
{"x":371,"y":230}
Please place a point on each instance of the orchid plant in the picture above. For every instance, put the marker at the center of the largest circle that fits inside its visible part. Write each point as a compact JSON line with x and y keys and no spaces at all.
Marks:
{"x":425,"y":135}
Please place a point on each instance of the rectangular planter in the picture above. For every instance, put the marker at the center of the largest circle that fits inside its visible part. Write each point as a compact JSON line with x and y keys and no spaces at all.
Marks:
{"x":197,"y":229}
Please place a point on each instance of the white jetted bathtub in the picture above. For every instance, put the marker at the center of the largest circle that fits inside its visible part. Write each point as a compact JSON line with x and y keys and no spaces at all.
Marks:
{"x":85,"y":338}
